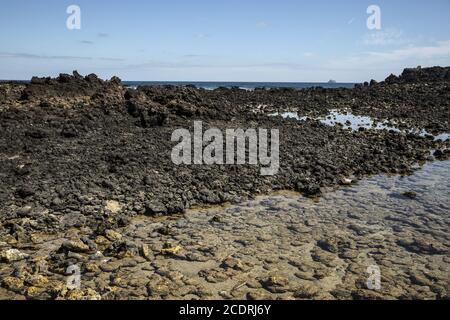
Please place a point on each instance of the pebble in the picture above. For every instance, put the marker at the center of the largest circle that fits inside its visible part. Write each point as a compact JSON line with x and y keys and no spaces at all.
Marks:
{"x":12,"y":255}
{"x":75,"y":246}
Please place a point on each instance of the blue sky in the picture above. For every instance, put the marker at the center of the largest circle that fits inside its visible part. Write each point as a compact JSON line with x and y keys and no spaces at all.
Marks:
{"x":245,"y":40}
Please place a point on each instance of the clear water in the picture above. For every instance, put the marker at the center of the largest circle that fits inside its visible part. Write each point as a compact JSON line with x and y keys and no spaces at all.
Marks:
{"x":350,"y":121}
{"x":279,"y":235}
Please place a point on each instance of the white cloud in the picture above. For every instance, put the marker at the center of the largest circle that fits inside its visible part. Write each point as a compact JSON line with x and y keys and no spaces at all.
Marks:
{"x":358,"y":67}
{"x":382,"y":38}
{"x":262,"y":24}
{"x":441,"y":49}
{"x":410,"y":54}
{"x":379,"y":64}
{"x":22,"y":55}
{"x":201,"y":35}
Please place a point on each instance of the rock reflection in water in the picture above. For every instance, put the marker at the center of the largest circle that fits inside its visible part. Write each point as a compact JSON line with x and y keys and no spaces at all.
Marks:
{"x":354,"y":122}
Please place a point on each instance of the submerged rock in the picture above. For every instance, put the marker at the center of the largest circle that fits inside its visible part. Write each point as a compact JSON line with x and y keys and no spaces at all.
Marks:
{"x":12,"y":255}
{"x":74,"y":246}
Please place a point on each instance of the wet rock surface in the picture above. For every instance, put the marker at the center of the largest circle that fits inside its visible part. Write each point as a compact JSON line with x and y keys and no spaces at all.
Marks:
{"x":86,"y":176}
{"x":282,"y":246}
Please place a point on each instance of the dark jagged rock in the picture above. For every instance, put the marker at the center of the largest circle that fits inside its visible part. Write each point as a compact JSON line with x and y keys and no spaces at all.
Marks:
{"x":77,"y":141}
{"x":415,"y":75}
{"x":81,"y":157}
{"x":66,"y":85}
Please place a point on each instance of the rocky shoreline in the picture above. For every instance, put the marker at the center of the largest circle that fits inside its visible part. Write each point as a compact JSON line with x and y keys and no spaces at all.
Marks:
{"x":83,"y":158}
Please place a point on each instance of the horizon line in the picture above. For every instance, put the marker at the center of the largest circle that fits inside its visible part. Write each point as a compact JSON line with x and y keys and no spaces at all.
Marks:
{"x":210,"y":81}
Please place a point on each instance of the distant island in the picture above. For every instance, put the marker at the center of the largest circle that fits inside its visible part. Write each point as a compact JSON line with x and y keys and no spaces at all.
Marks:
{"x":332,"y":81}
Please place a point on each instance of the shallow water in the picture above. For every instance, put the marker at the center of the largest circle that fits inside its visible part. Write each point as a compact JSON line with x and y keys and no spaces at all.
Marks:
{"x":350,"y":121}
{"x":281,"y":246}
{"x":320,"y":248}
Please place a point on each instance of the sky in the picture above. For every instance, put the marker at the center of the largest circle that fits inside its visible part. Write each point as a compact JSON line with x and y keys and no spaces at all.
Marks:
{"x":232,"y":40}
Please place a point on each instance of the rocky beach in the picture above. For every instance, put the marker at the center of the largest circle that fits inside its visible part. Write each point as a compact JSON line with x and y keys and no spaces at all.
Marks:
{"x":88,"y":184}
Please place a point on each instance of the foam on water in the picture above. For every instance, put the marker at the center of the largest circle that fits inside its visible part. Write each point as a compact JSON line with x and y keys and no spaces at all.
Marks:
{"x":211,"y":85}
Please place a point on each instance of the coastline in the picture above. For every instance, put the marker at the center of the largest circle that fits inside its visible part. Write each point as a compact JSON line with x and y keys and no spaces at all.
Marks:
{"x":85,"y":158}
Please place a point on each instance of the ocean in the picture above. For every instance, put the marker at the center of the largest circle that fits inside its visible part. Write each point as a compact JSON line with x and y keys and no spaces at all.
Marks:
{"x":241,"y":85}
{"x":211,"y":85}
